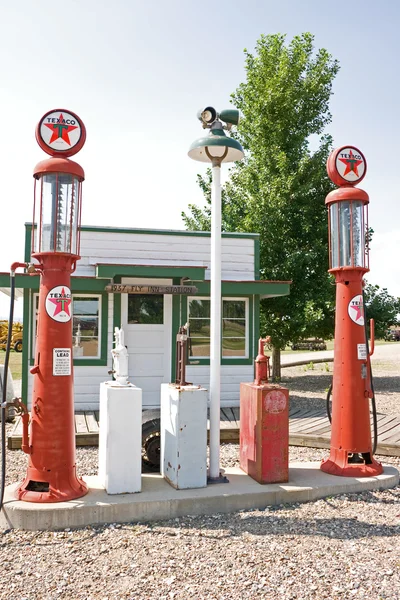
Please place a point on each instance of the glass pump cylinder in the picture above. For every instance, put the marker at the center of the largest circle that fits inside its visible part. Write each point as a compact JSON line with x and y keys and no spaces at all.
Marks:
{"x":57,"y":207}
{"x":348,"y":228}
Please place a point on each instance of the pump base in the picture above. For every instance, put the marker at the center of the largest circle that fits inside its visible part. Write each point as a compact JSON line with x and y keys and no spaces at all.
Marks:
{"x":61,"y":487}
{"x":343,"y":464}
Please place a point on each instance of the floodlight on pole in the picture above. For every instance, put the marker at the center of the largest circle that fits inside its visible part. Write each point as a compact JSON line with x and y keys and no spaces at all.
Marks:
{"x":215,"y":148}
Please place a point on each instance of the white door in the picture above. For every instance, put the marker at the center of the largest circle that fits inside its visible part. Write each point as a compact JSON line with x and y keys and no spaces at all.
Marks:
{"x":149,"y":343}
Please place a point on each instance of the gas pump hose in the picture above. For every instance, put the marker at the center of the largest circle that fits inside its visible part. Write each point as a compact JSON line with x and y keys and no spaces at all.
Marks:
{"x":4,"y":389}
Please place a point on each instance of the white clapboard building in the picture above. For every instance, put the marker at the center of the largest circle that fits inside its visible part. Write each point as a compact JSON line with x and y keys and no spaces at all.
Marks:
{"x":115,"y":284}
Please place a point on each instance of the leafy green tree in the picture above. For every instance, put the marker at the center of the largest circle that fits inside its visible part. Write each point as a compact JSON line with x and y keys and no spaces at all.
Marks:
{"x":383,"y":308}
{"x":279,"y":189}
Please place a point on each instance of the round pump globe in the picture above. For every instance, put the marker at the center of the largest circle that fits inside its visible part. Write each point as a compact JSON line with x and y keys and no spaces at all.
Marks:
{"x":216,"y":146}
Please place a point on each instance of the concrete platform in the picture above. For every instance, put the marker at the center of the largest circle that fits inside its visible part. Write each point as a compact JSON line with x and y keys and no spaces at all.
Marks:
{"x":159,"y":501}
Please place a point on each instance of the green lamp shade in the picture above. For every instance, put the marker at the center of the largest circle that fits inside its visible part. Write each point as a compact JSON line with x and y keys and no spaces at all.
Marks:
{"x":216,"y":143}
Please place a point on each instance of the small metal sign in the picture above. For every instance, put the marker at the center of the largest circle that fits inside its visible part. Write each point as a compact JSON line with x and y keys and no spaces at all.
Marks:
{"x":121,"y":288}
{"x":61,"y":361}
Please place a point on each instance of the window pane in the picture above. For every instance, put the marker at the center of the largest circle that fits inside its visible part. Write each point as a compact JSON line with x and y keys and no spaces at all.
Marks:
{"x":200,"y":327}
{"x":199,"y":347}
{"x":86,"y":306}
{"x":199,"y":309}
{"x":235,"y":328}
{"x":145,"y":309}
{"x":233,"y":347}
{"x":85,"y":329}
{"x":234,"y":309}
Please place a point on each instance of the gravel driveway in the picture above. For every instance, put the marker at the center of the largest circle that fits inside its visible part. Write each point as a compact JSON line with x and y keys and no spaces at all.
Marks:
{"x":342,"y":547}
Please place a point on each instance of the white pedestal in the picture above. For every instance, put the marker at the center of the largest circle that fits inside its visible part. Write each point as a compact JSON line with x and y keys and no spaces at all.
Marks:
{"x":184,"y":436}
{"x":120,"y":438}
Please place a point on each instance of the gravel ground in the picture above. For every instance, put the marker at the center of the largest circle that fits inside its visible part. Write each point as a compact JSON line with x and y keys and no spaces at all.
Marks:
{"x":341,"y":547}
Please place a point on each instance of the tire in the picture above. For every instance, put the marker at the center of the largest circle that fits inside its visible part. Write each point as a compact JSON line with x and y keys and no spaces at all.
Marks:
{"x":18,"y":346}
{"x":151,"y":441}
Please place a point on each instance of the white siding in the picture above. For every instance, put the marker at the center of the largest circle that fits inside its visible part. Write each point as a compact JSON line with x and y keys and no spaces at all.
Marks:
{"x":86,"y":386}
{"x":231,"y":378}
{"x":165,"y":250}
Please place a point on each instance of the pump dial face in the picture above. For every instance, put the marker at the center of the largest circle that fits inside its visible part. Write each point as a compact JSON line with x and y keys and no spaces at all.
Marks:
{"x":275,"y":401}
{"x":60,"y":132}
{"x":346,"y":165}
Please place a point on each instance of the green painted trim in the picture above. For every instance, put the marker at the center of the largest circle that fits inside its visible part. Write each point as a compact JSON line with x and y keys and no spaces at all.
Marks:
{"x":225,"y":234}
{"x":256,"y":325}
{"x":111,"y":271}
{"x":257,"y":258}
{"x":176,"y":314}
{"x":31,"y":282}
{"x":117,"y":307}
{"x":104,"y":328}
{"x":88,"y":284}
{"x":246,"y":288}
{"x":251,"y":332}
{"x":28,"y":242}
{"x":25,"y":348}
{"x":224,"y":361}
{"x":90,"y":362}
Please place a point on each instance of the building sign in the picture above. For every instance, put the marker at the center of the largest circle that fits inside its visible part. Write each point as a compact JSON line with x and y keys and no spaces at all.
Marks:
{"x":121,"y":288}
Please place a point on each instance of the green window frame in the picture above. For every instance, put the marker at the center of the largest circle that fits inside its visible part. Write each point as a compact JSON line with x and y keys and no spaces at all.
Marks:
{"x":235,"y":329}
{"x":101,"y":358}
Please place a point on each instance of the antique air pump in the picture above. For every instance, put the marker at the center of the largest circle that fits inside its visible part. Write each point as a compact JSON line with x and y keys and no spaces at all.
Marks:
{"x":51,"y":474}
{"x":351,"y":453}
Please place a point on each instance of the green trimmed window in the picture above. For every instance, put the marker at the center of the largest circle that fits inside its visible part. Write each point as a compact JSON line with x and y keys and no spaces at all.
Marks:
{"x":86,"y":326}
{"x":86,"y":329}
{"x":235,"y":336}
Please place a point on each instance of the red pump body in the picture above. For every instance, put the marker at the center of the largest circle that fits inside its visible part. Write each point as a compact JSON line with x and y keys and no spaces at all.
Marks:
{"x":51,"y":474}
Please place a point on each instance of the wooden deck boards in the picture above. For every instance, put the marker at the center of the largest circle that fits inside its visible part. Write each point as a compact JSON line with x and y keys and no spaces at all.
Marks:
{"x":309,"y":428}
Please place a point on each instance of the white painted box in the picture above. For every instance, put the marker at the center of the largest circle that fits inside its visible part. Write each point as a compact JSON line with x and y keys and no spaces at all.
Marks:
{"x":120,"y":438}
{"x":184,"y":436}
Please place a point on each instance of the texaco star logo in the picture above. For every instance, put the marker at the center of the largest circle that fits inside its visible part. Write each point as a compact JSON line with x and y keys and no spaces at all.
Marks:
{"x":60,"y":132}
{"x":350,"y":164}
{"x":356,"y":310}
{"x":58,"y":304}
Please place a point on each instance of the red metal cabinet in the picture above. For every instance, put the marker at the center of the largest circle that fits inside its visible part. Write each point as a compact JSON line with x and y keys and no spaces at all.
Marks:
{"x":264,"y":432}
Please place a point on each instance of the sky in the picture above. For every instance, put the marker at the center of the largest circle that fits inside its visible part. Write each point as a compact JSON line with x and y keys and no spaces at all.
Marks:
{"x":137,"y":72}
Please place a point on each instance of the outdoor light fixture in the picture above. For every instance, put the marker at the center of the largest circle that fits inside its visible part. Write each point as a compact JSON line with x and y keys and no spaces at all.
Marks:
{"x":215,"y":148}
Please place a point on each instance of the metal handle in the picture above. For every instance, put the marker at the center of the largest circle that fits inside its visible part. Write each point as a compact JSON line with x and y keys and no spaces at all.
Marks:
{"x":372,"y":334}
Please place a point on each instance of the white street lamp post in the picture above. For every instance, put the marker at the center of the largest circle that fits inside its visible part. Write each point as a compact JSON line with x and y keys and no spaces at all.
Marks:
{"x":216,"y":147}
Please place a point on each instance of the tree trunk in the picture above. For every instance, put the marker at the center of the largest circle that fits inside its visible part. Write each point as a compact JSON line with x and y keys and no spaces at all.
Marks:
{"x":276,"y":364}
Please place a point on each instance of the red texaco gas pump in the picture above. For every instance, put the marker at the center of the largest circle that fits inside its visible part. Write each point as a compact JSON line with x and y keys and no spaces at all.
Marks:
{"x":51,"y":475}
{"x":351,"y":448}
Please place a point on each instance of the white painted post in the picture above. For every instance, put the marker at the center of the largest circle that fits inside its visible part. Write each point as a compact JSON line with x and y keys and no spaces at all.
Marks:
{"x":215,"y":322}
{"x":120,"y":438}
